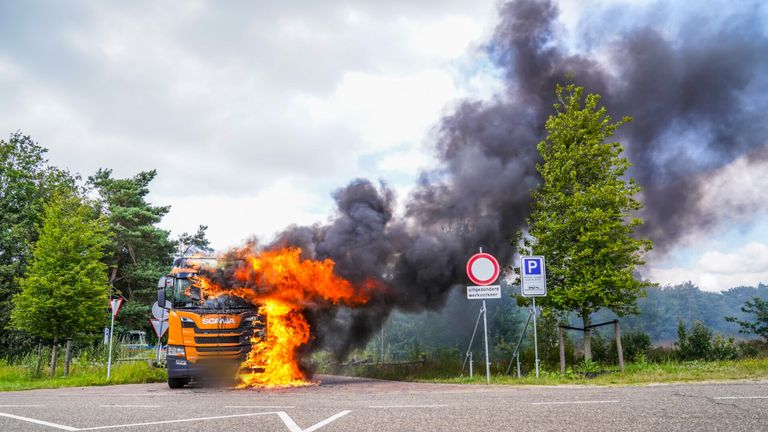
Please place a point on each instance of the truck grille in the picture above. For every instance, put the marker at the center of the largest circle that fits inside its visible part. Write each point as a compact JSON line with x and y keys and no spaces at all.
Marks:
{"x":221,"y":339}
{"x":233,"y":342}
{"x":227,"y":350}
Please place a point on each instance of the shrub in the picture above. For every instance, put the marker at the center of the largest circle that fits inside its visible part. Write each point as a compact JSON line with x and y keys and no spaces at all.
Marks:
{"x":723,"y":349}
{"x":696,"y":345}
{"x":636,"y":345}
{"x":701,"y":344}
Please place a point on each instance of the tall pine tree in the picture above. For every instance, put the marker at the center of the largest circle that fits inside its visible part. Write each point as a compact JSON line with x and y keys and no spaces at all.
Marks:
{"x":140,"y":252}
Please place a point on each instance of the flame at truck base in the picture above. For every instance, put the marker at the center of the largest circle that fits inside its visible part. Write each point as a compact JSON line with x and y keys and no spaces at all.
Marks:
{"x":282,"y":285}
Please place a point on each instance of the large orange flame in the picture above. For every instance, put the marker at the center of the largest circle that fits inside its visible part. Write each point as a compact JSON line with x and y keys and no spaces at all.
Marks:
{"x":282,"y":285}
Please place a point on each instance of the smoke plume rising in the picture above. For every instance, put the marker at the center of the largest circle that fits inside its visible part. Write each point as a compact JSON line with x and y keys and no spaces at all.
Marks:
{"x":697,"y":106}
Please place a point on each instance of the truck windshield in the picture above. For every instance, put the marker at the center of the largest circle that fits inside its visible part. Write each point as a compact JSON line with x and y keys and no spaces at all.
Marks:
{"x":187,"y":296}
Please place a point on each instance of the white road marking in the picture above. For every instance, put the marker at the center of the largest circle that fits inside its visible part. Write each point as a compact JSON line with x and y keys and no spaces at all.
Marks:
{"x":575,"y":402}
{"x":21,"y":406}
{"x":740,"y":397}
{"x":174,"y":421}
{"x":407,"y":406}
{"x":293,"y":427}
{"x":259,"y":406}
{"x":289,"y":422}
{"x":40,"y":422}
{"x":129,"y":406}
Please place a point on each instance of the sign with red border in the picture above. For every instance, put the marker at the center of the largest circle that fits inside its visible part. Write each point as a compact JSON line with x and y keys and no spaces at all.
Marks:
{"x":114,"y":304}
{"x":160,"y":326}
{"x":482,"y":269}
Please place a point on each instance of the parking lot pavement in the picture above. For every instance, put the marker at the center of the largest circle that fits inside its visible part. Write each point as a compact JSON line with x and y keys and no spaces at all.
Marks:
{"x":353,"y":404}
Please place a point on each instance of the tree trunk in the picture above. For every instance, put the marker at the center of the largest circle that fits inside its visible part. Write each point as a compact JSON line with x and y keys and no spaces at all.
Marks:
{"x":68,"y":357}
{"x":54,"y":353}
{"x":561,"y":341}
{"x":113,"y":276}
{"x":587,"y":335}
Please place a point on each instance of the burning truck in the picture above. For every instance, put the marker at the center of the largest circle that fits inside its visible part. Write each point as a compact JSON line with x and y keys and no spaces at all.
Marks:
{"x":243,"y":315}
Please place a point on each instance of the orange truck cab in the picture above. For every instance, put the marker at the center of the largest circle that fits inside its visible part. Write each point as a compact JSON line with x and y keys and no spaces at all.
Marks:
{"x":207,"y":338}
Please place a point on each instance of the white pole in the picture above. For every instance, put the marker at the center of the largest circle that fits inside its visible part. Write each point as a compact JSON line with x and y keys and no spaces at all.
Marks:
{"x":160,"y":338}
{"x":485,"y":330}
{"x":535,"y":338}
{"x":111,"y":335}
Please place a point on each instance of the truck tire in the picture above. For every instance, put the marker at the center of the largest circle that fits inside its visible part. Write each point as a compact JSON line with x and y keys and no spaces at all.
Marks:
{"x":176,"y":383}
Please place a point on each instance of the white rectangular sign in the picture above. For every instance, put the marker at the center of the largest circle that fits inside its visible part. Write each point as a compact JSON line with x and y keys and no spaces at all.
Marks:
{"x":484,"y":292}
{"x":533,"y":276}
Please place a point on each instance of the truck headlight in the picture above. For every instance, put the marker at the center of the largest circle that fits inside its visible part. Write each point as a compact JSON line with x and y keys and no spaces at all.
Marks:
{"x":176,"y":351}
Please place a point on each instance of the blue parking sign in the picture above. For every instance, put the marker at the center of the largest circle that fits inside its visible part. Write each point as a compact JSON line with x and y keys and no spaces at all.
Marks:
{"x":532,"y":266}
{"x":533,"y":276}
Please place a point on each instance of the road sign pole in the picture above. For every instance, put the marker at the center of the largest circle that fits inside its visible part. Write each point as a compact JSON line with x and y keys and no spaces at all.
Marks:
{"x":160,"y":337}
{"x":535,"y":339}
{"x":111,"y":335}
{"x":485,"y":330}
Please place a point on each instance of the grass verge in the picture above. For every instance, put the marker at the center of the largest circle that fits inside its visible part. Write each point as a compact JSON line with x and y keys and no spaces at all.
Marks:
{"x":634,"y":374}
{"x":15,"y":377}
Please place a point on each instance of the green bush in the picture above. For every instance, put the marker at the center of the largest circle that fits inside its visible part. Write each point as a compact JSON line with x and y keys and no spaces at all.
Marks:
{"x":636,"y":345}
{"x":701,"y":344}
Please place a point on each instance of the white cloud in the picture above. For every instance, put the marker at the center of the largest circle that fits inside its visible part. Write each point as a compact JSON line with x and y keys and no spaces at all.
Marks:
{"x":232,"y":220}
{"x":717,"y":271}
{"x":233,"y":103}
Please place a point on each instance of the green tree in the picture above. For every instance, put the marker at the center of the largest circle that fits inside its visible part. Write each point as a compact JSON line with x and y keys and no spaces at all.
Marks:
{"x":65,"y":291}
{"x":140,"y":251}
{"x":197,"y":240}
{"x":759,"y":327}
{"x":583,"y":215}
{"x":26,"y":182}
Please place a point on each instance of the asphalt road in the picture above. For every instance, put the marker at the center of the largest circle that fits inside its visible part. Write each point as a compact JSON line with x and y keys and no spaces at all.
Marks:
{"x":350,"y":404}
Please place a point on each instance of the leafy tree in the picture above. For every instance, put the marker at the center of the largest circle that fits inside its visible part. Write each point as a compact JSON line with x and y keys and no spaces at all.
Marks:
{"x":26,"y":182}
{"x":65,"y":291}
{"x":583,"y":219}
{"x":759,"y":327}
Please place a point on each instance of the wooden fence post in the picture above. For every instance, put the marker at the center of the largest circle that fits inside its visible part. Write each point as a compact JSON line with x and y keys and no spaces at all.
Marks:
{"x":617,"y":335}
{"x":562,"y":348}
{"x":68,"y":356}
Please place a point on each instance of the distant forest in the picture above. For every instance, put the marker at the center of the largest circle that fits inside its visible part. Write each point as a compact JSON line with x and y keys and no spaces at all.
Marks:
{"x":448,"y":330}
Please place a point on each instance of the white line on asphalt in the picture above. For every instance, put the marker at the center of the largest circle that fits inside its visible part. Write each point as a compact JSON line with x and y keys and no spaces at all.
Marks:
{"x":287,"y":420}
{"x":575,"y":402}
{"x":173,"y":421}
{"x":21,"y":406}
{"x":293,"y":427}
{"x":129,"y":406}
{"x":259,"y":406}
{"x":40,"y":422}
{"x":741,"y":397}
{"x":407,"y":406}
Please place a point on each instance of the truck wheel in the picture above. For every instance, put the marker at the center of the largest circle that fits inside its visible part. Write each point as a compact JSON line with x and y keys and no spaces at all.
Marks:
{"x":176,"y":383}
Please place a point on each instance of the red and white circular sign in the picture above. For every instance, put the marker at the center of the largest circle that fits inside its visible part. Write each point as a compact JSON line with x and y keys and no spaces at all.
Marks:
{"x":482,"y":268}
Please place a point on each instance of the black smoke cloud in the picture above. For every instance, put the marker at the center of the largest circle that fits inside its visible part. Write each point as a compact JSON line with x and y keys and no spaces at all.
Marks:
{"x":696,"y":102}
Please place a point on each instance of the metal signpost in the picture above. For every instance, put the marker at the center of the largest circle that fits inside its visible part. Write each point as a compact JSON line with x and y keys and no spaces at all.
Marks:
{"x":533,"y":283}
{"x":483,"y":269}
{"x":115,"y":305}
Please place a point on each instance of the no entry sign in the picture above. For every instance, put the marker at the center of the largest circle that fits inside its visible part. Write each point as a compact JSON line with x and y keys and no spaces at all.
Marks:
{"x":482,"y":268}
